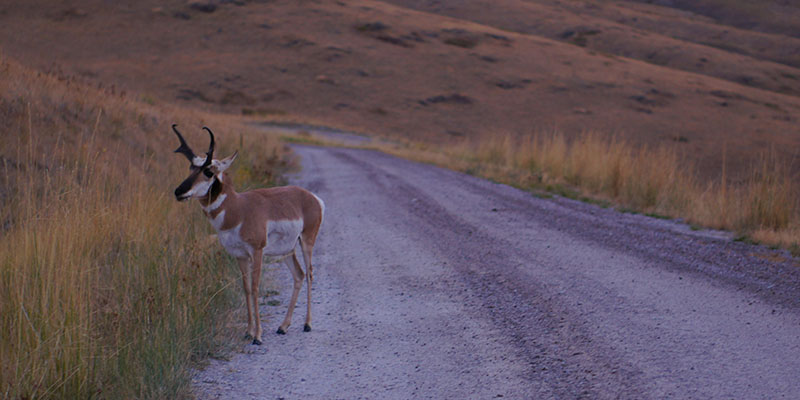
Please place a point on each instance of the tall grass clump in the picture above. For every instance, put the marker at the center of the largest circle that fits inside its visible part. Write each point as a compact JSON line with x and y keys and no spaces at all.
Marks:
{"x":770,"y":196}
{"x":108,"y":287}
{"x":654,"y":180}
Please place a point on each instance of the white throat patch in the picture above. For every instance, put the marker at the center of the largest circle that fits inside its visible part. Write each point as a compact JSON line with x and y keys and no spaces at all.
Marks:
{"x":217,"y":221}
{"x":215,"y":205}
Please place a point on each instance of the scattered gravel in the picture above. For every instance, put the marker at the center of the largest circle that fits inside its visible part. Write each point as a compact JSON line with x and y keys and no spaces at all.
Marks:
{"x":434,"y":284}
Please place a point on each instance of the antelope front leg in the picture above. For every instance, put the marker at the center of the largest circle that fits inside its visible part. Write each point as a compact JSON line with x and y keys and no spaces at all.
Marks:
{"x":255,"y":274}
{"x":244,"y":267}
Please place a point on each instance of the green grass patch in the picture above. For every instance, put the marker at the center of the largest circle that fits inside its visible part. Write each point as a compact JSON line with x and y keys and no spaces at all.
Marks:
{"x":303,"y":140}
{"x":657,"y":215}
{"x":597,"y":202}
{"x":744,"y":239}
{"x":563,"y":191}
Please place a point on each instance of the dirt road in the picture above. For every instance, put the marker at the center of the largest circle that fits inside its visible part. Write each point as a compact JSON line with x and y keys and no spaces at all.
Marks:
{"x":434,"y":284}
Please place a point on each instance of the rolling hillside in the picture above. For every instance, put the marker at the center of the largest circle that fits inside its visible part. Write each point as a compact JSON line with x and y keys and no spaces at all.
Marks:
{"x":439,"y":71}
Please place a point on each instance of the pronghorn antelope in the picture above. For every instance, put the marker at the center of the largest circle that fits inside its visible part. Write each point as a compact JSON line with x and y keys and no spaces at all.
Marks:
{"x":257,"y":227}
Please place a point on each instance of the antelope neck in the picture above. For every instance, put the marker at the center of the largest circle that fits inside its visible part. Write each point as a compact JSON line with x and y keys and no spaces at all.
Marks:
{"x":217,"y":189}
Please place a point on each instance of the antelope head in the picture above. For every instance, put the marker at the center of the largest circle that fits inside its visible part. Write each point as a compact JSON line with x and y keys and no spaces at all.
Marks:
{"x":204,"y":171}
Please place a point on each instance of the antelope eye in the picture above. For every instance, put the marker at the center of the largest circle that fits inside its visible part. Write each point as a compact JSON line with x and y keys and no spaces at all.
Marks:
{"x":208,"y":173}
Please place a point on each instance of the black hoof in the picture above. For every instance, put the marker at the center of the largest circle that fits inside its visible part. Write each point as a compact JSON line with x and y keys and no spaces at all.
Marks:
{"x":248,"y":336}
{"x":256,"y":342}
{"x":306,"y":328}
{"x":281,"y":331}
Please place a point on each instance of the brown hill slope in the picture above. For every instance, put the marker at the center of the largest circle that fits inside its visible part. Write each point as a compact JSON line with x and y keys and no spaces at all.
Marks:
{"x":776,"y":16}
{"x":654,"y":34}
{"x":381,"y":68}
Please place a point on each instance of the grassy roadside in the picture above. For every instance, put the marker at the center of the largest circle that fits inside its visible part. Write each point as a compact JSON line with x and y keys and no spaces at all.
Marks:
{"x":108,"y":286}
{"x":764,"y":207}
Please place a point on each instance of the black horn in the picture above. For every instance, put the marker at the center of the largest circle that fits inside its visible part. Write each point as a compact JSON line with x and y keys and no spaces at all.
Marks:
{"x":210,"y":153}
{"x":184,"y":148}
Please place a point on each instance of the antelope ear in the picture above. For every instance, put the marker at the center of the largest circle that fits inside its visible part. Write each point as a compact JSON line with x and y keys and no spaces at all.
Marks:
{"x":221,"y":165}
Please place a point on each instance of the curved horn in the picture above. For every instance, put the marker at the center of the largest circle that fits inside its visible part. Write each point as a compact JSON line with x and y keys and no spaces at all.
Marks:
{"x":210,"y":153}
{"x":184,"y":148}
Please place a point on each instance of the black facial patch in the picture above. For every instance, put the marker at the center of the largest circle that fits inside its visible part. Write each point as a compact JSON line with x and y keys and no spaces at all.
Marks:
{"x":186,"y":185}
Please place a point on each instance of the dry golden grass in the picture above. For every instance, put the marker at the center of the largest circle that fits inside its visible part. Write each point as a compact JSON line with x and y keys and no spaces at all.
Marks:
{"x":658,"y":181}
{"x":108,"y":286}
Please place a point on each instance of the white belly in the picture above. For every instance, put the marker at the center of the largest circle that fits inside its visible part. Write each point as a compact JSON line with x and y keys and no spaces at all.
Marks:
{"x":233,"y":243}
{"x":282,"y":238}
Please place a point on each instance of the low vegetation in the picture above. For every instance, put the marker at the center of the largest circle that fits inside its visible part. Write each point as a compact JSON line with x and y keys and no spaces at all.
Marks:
{"x":108,"y":287}
{"x":764,"y":207}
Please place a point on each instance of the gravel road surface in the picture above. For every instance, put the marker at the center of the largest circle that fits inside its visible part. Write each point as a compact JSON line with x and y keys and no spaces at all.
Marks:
{"x":434,"y":284}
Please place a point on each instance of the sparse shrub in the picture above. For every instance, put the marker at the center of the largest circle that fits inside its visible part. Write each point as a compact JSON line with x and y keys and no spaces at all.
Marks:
{"x":372,"y":27}
{"x":462,"y":41}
